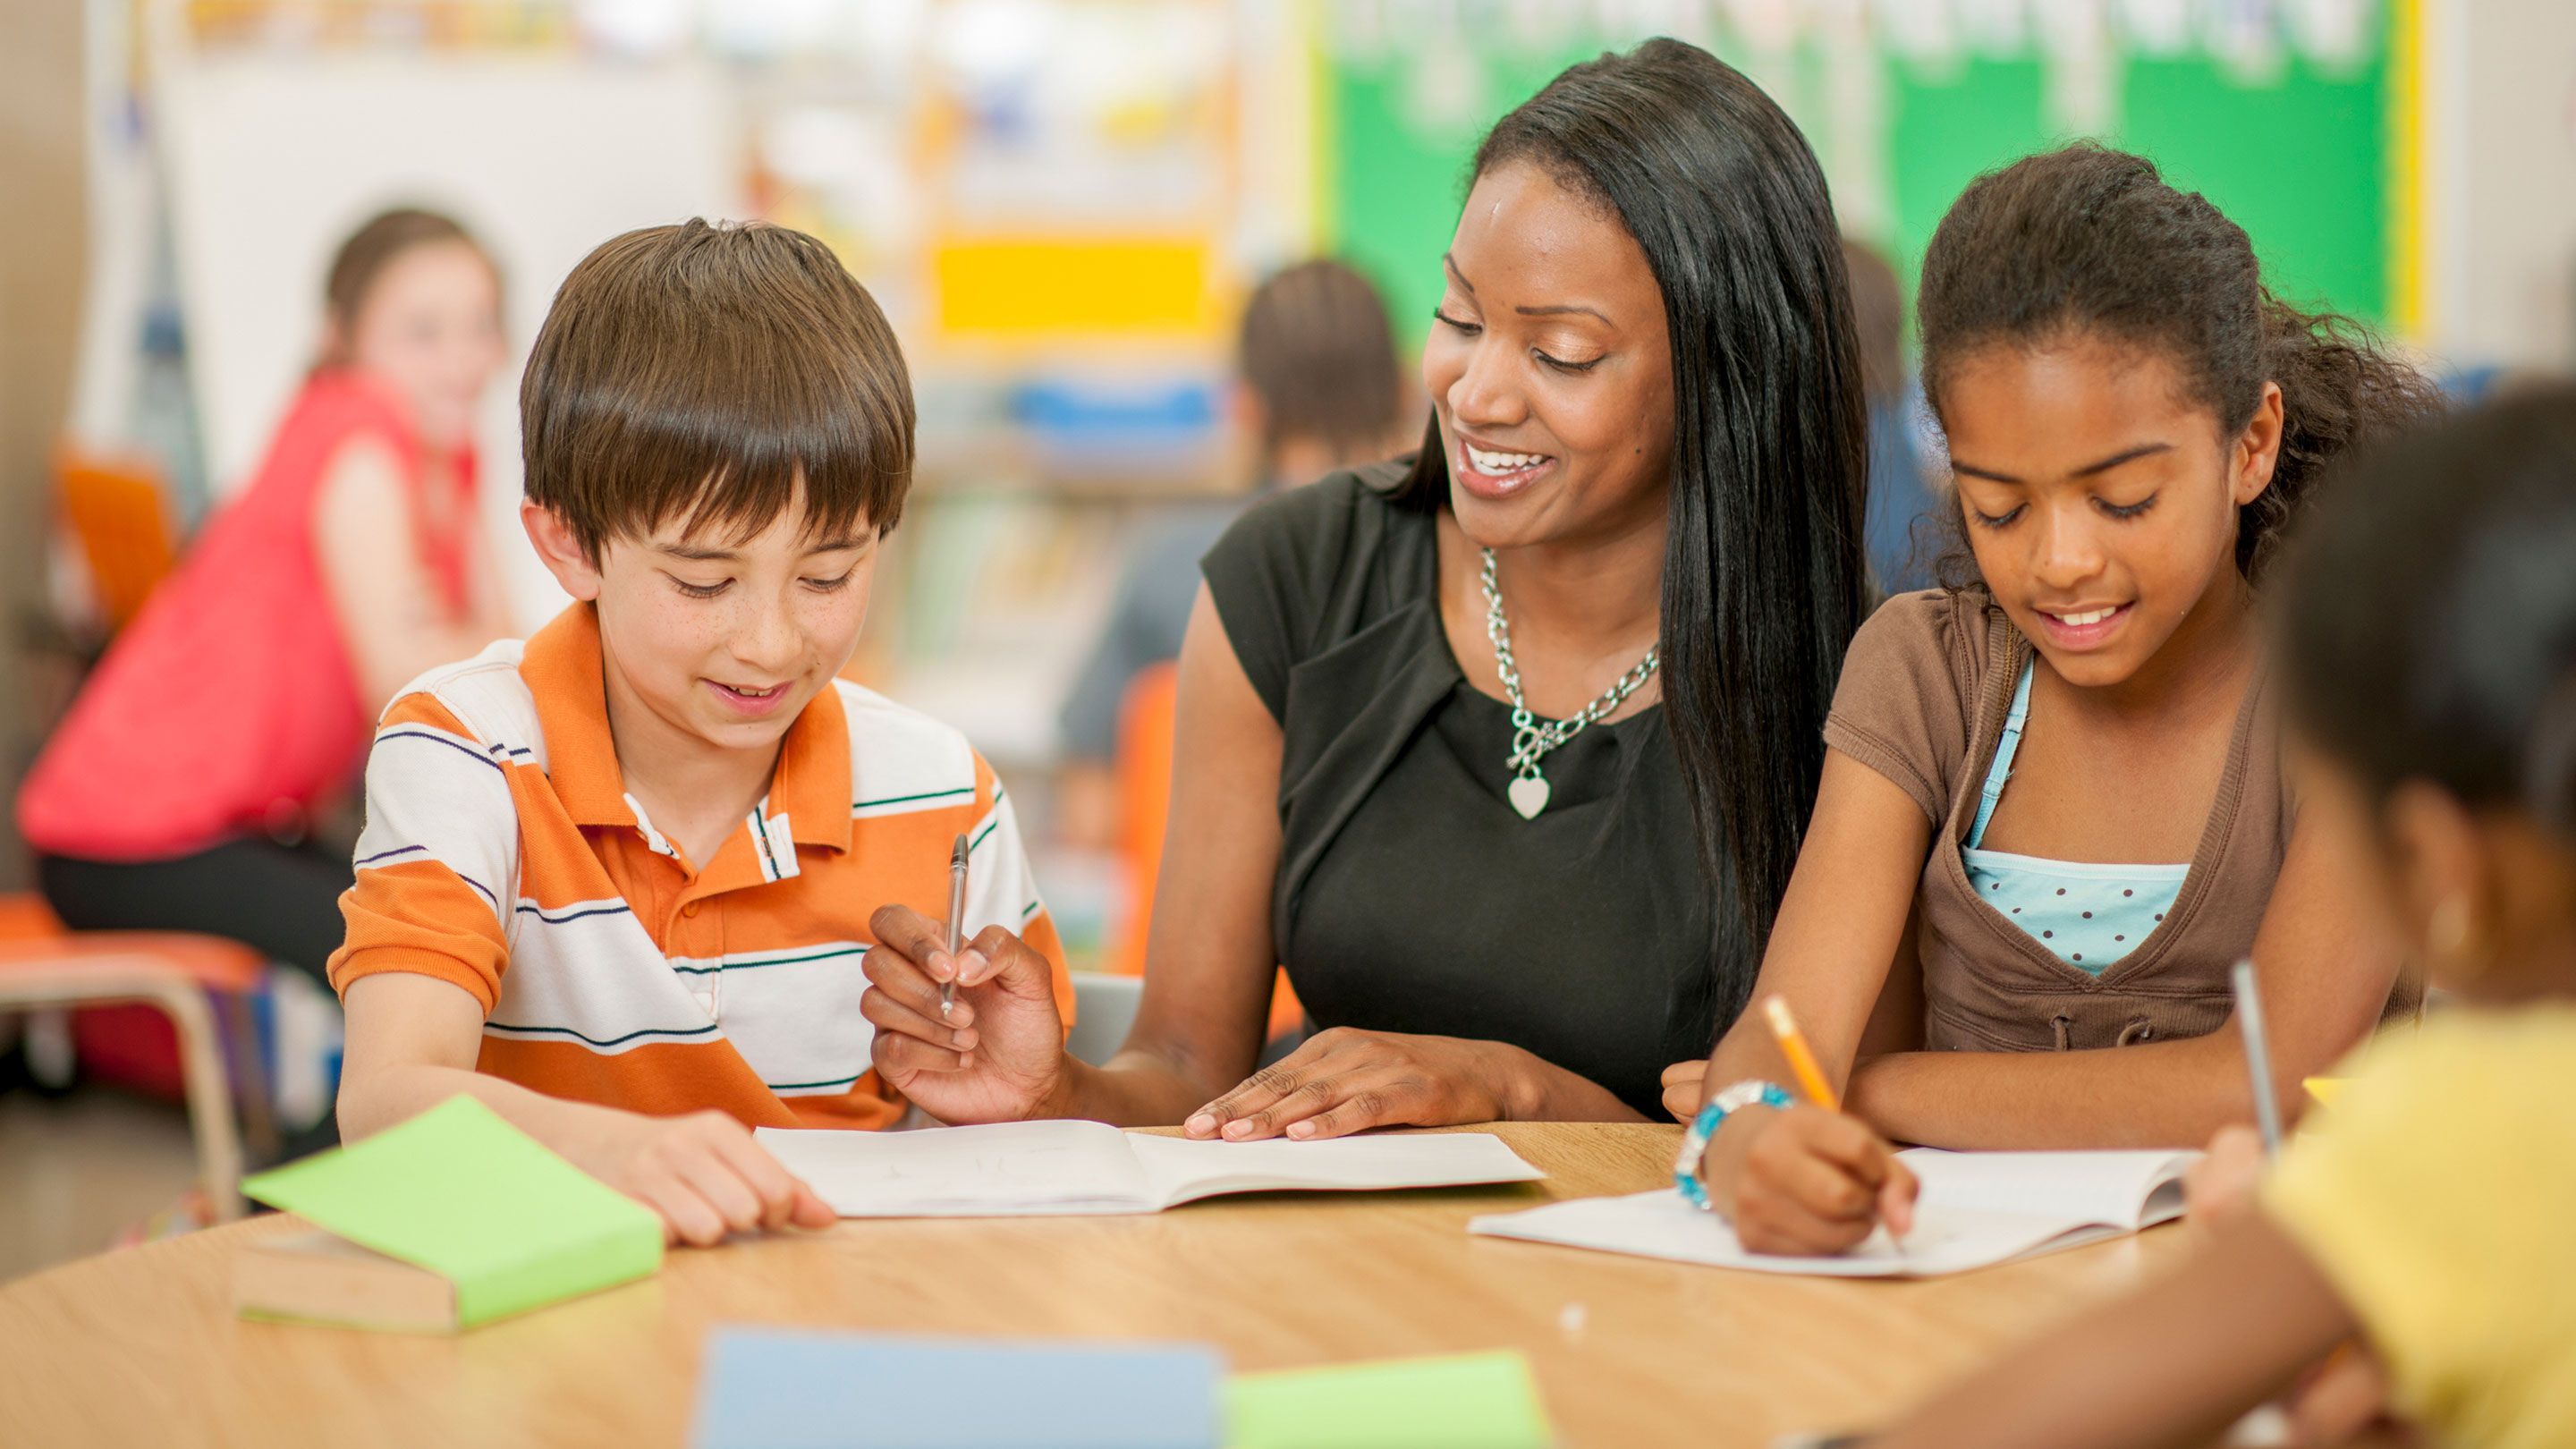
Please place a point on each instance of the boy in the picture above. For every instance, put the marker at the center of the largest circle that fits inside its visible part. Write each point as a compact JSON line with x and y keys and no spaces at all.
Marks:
{"x":615,"y":882}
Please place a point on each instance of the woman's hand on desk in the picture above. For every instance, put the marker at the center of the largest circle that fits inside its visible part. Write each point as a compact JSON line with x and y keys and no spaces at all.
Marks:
{"x":1806,"y":1181}
{"x":1343,"y":1081}
{"x":998,"y":1056}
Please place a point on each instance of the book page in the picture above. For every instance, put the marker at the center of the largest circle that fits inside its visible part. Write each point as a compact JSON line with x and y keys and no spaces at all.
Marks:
{"x":1658,"y":1224}
{"x":1976,"y":1209}
{"x":1182,"y":1170}
{"x":2116,"y":1188}
{"x":1009,"y":1169}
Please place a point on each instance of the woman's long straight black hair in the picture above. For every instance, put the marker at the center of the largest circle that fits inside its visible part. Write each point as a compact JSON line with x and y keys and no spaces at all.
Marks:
{"x":1764,"y":579}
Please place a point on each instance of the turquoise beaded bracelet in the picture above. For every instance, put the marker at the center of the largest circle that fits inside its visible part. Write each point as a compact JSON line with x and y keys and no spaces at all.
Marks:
{"x":1704,"y":1126}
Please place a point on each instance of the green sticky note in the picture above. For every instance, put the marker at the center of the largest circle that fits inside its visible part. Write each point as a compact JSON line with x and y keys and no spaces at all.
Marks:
{"x":1469,"y":1401}
{"x":465,"y":1195}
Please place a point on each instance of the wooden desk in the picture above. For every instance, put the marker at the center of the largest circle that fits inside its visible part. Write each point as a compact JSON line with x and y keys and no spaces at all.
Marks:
{"x":139,"y":1347}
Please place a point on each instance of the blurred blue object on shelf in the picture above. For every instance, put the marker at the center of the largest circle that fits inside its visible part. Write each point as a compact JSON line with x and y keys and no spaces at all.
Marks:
{"x":1102,"y":417}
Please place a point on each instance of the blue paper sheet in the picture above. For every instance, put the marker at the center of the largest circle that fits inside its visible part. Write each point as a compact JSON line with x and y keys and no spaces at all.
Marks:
{"x":769,"y":1388}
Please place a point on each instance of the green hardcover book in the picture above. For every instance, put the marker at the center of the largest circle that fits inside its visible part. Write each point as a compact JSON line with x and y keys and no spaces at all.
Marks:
{"x":449,"y":1220}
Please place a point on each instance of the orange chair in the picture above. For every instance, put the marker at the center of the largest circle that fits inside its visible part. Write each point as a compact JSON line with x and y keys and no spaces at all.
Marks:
{"x":119,"y":513}
{"x":1144,"y":766}
{"x":194,"y":980}
{"x":1144,"y":772}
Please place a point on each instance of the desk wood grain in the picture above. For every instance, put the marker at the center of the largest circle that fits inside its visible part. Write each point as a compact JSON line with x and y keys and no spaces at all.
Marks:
{"x":140,"y":1347}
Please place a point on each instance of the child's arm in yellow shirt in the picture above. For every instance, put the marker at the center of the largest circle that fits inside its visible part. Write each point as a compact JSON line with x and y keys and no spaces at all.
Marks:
{"x":412,"y":1041}
{"x":2175,"y":1363}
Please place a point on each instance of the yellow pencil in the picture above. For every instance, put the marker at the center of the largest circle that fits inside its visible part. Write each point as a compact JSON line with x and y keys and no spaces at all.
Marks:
{"x":1811,"y":1078}
{"x":1802,"y":1061}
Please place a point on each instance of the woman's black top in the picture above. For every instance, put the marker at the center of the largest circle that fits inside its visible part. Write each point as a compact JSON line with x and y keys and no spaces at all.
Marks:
{"x":1411,"y":896}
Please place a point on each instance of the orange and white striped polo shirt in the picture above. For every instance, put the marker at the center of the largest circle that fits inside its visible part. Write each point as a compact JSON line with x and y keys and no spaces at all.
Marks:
{"x":503,"y":854}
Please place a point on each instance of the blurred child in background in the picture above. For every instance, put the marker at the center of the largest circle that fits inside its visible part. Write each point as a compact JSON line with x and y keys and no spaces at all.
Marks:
{"x":1317,"y":389}
{"x":186,"y":788}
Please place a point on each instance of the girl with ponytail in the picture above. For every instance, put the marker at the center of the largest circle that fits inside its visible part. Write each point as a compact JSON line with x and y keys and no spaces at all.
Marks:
{"x":2053,"y":812}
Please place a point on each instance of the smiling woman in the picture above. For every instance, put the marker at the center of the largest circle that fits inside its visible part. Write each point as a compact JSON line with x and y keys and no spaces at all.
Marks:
{"x":1502,"y":750}
{"x":2132,"y":421}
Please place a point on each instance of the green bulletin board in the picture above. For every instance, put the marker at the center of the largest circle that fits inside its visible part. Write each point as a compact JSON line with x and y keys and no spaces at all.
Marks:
{"x":2299,"y":156}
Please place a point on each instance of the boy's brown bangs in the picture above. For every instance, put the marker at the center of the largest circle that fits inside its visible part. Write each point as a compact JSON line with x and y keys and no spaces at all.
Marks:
{"x":725,"y":468}
{"x":720,"y":377}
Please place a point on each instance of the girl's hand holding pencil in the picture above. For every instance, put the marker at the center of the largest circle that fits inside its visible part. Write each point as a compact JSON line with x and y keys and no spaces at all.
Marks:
{"x":1807,"y":1180}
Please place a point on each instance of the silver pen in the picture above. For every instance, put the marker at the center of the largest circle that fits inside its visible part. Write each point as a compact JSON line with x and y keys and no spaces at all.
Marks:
{"x":956,"y":927}
{"x":2258,"y":1058}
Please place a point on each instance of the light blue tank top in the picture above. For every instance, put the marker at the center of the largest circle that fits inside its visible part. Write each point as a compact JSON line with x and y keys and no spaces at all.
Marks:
{"x":2088,"y":915}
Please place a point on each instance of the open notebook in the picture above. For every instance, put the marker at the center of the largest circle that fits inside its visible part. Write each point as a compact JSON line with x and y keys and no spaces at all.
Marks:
{"x":1027,"y":1169}
{"x":1976,"y":1209}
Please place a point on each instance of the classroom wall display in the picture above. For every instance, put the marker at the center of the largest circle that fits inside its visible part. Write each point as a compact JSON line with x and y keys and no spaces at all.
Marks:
{"x":2294,"y":116}
{"x":1081,"y":181}
{"x":1061,"y":202}
{"x":1053,"y":199}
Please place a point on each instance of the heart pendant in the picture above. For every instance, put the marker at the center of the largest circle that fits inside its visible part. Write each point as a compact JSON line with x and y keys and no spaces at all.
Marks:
{"x":1528,"y":795}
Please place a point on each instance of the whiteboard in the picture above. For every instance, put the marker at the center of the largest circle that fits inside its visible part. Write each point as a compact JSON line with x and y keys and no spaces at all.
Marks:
{"x":274,"y":159}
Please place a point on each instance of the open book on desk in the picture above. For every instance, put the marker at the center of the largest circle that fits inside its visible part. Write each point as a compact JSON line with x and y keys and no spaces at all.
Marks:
{"x":1976,"y":1209}
{"x":1029,"y":1169}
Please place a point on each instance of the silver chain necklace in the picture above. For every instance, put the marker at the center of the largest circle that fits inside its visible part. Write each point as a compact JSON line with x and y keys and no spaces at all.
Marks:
{"x":1533,"y":738}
